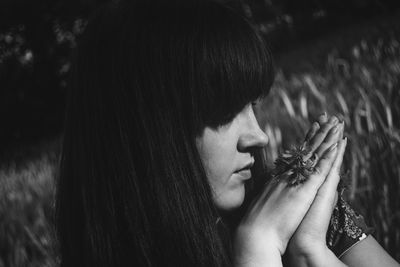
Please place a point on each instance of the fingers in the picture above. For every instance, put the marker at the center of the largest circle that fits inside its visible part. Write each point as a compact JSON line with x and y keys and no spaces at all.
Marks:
{"x":342,"y":131}
{"x":322,"y":169}
{"x":333,"y":178}
{"x":333,"y":136}
{"x":322,"y":133}
{"x":313,"y":130}
{"x":322,"y":119}
{"x":329,"y":186}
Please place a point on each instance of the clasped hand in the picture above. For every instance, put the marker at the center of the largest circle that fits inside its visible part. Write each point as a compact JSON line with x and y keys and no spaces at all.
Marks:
{"x":293,"y":220}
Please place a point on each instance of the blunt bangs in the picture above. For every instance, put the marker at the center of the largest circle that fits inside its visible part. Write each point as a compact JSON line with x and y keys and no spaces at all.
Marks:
{"x":235,"y":68}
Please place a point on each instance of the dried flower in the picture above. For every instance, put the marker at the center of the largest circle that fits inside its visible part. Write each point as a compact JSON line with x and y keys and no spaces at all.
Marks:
{"x":291,"y":165}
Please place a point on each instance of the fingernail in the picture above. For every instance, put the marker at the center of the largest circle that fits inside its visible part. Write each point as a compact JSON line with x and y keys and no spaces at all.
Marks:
{"x":333,"y":147}
{"x":343,"y":142}
{"x":334,"y":120}
{"x":316,"y":126}
{"x":336,"y":128}
{"x":342,"y":125}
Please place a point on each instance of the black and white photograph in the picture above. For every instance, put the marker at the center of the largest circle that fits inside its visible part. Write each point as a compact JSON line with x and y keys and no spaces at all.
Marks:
{"x":200,"y":133}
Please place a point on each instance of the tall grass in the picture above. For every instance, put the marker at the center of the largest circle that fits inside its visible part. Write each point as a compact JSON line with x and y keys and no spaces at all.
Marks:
{"x":361,"y":86}
{"x":26,"y":211}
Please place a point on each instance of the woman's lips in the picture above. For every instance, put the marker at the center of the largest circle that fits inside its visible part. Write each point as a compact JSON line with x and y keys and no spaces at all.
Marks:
{"x":244,"y":173}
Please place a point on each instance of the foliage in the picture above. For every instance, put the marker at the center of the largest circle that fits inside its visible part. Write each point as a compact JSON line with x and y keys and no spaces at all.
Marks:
{"x":26,"y":210}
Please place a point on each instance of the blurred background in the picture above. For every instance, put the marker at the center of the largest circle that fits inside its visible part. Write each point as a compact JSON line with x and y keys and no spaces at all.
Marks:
{"x":342,"y":57}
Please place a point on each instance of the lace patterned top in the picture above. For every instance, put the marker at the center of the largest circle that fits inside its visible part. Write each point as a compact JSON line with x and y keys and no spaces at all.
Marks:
{"x":346,"y":228}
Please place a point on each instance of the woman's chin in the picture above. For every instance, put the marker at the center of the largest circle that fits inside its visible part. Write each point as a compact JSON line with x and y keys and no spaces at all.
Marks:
{"x":230,"y":200}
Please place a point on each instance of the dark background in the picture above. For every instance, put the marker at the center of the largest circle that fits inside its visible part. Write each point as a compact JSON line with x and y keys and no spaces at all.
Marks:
{"x":36,"y":39}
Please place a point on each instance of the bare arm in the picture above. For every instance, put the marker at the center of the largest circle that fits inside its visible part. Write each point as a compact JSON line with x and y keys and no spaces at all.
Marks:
{"x":368,"y":253}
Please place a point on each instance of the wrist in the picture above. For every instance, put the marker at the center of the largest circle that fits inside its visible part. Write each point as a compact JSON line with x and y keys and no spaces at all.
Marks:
{"x":270,"y":258}
{"x":253,"y":247}
{"x":319,"y":258}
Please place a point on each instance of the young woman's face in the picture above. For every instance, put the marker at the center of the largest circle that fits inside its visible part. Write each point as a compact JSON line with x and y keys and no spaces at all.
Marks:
{"x":226,"y":154}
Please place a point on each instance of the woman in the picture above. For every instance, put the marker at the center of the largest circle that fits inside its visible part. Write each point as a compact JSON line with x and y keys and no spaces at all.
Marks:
{"x":160,"y":137}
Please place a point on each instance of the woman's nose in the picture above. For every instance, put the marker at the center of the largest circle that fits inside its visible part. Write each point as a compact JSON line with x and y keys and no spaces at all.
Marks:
{"x":252,"y":137}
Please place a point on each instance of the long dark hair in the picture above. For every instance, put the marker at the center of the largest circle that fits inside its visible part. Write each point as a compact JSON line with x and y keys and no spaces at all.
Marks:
{"x":146,"y":80}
